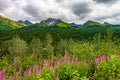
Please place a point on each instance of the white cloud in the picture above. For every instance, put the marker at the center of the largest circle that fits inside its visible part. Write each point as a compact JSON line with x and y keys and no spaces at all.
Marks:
{"x":4,"y":4}
{"x":77,"y":11}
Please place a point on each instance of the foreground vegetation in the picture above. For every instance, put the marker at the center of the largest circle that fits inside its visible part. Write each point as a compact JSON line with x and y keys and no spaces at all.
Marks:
{"x":68,"y":59}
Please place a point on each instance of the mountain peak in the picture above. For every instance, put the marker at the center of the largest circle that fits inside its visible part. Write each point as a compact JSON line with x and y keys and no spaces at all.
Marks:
{"x":27,"y":22}
{"x":93,"y":24}
{"x":107,"y":23}
{"x":51,"y":21}
{"x":90,"y":23}
{"x":75,"y":25}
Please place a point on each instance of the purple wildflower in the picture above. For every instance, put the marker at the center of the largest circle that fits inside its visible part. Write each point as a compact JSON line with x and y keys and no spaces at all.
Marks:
{"x":97,"y":60}
{"x":65,"y":56}
{"x":3,"y":71}
{"x":29,"y":71}
{"x":15,"y":62}
{"x":36,"y":69}
{"x":11,"y":77}
{"x":9,"y":69}
{"x":103,"y":57}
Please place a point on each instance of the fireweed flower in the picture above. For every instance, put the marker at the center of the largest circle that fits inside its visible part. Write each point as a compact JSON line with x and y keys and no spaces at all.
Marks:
{"x":18,"y":74}
{"x":68,"y":60}
{"x":29,"y":71}
{"x":48,"y":64}
{"x":76,"y":59}
{"x":65,"y":57}
{"x":45,"y":62}
{"x":11,"y":77}
{"x":3,"y":71}
{"x":97,"y":60}
{"x":15,"y":62}
{"x":36,"y":69}
{"x":9,"y":69}
{"x":103,"y":57}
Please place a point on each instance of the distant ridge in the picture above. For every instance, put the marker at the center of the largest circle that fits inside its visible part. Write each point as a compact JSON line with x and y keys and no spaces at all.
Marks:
{"x":7,"y":24}
{"x":28,"y":23}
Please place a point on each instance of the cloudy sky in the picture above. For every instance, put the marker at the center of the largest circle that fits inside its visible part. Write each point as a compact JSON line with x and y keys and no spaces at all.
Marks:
{"x":77,"y":11}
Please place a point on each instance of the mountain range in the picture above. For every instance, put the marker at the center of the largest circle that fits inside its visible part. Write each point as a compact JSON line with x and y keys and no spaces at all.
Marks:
{"x":8,"y":24}
{"x":56,"y":27}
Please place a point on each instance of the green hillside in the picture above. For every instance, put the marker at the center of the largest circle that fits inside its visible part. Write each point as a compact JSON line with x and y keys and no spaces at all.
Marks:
{"x":42,"y":24}
{"x":92,"y":24}
{"x":21,"y":23}
{"x":37,"y":26}
{"x":7,"y":24}
{"x":62,"y":24}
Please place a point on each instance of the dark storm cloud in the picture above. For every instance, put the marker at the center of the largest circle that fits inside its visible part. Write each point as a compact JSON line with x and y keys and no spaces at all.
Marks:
{"x":32,"y":11}
{"x":105,"y":1}
{"x":39,"y":13}
{"x":81,"y":9}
